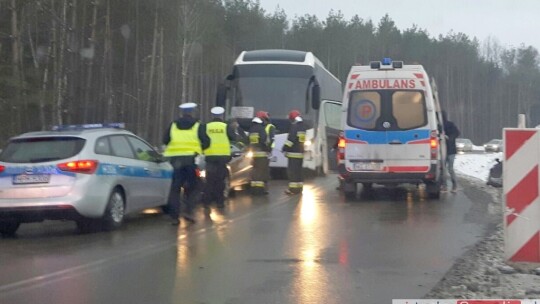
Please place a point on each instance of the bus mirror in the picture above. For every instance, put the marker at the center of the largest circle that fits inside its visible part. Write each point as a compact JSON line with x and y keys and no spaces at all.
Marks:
{"x":221,"y":95}
{"x":316,"y":97}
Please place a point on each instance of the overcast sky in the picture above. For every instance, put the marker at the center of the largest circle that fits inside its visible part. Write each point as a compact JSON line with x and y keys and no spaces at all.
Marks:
{"x":511,"y":22}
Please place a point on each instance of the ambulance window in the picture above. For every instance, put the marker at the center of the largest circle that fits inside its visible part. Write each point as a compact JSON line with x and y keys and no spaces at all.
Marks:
{"x":409,"y":109}
{"x":364,"y":110}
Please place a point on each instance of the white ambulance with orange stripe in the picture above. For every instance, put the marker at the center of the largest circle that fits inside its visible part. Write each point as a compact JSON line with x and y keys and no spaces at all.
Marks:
{"x":391,"y":128}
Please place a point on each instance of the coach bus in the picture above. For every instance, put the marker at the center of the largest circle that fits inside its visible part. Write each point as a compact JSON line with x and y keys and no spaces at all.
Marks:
{"x":278,"y":81}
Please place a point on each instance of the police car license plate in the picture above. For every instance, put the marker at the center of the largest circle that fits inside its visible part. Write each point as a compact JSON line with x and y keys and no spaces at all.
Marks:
{"x":367,"y":166}
{"x":31,"y":179}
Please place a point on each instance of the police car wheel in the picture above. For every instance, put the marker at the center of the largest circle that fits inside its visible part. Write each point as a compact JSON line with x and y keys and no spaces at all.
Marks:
{"x":433,"y":190}
{"x":114,"y":213}
{"x":9,"y":227}
{"x":349,"y":190}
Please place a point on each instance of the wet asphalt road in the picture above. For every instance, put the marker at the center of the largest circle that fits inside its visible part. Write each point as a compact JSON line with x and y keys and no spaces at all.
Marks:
{"x":317,"y":248}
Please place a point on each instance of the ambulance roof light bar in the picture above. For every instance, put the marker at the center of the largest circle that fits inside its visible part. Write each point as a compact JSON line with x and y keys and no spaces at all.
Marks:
{"x":386,"y":64}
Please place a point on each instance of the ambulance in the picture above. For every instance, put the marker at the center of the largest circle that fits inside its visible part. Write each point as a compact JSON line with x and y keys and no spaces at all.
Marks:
{"x":392,"y":129}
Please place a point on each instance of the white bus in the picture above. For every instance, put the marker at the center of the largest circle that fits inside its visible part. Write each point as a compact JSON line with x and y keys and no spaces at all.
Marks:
{"x":278,"y":81}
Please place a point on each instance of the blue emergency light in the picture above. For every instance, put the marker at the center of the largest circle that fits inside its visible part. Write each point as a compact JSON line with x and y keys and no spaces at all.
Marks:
{"x":386,"y":64}
{"x":114,"y":125}
{"x":387,"y":61}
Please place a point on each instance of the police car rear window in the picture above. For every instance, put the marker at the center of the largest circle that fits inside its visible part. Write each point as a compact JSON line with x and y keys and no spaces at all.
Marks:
{"x":41,"y":149}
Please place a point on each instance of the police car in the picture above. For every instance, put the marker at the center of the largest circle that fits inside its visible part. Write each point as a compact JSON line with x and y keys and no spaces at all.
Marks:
{"x":93,"y":174}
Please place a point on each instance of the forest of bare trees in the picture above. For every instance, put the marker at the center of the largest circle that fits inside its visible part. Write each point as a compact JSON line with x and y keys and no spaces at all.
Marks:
{"x":134,"y":61}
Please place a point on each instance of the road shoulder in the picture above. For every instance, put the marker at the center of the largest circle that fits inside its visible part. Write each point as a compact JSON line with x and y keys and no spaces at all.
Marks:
{"x":482,"y":272}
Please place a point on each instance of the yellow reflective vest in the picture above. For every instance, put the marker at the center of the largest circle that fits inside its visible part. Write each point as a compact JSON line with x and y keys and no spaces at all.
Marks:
{"x":269,"y":141}
{"x":183,"y":142}
{"x":220,"y":144}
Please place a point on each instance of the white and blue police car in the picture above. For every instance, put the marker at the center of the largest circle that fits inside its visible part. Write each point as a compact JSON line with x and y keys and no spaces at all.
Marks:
{"x":93,"y":174}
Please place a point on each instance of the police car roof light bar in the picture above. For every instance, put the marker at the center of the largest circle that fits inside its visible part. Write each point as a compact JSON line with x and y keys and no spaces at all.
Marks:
{"x":114,"y":125}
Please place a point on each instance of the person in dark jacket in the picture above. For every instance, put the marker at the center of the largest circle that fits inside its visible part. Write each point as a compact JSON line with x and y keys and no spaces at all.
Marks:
{"x":294,"y":151}
{"x":451,"y":132}
{"x":258,"y":145}
{"x":185,"y":138}
{"x":217,"y":155}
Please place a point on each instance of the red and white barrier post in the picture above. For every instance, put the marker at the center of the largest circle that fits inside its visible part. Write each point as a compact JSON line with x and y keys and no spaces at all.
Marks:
{"x":521,"y":186}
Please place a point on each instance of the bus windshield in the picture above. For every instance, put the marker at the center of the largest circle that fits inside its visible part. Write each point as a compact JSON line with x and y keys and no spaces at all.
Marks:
{"x":272,"y":87}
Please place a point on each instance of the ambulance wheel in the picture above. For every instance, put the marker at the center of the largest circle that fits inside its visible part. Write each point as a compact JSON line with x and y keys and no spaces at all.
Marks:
{"x":9,"y":227}
{"x":433,"y":190}
{"x":367,"y":186}
{"x":349,"y":190}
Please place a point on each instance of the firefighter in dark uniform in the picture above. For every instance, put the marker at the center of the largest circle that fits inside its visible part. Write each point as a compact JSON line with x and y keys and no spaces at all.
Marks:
{"x":185,"y":139}
{"x":294,"y":151}
{"x":259,"y":147}
{"x":216,"y":157}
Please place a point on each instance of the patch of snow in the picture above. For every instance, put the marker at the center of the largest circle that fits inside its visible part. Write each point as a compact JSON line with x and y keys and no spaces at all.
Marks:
{"x":476,"y":165}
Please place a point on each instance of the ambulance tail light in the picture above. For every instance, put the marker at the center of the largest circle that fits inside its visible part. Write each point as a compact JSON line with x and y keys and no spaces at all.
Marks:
{"x":434,"y":145}
{"x":80,"y":166}
{"x":341,"y":147}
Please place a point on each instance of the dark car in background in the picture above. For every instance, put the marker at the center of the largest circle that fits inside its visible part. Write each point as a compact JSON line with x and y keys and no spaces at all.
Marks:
{"x":495,"y":175}
{"x":464,"y":145}
{"x":494,"y":145}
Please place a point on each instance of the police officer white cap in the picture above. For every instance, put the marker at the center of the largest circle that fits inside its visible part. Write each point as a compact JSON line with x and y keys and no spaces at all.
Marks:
{"x":189,"y":106}
{"x":217,"y":110}
{"x":257,"y":120}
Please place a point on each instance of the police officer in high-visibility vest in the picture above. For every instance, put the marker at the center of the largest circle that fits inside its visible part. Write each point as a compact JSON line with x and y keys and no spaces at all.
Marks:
{"x":216,"y":157}
{"x":258,"y":145}
{"x":185,"y":139}
{"x":294,"y":151}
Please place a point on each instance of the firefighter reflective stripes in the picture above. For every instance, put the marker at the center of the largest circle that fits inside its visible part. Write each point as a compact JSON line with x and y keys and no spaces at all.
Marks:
{"x":260,"y":154}
{"x":301,"y":136}
{"x":257,"y":184}
{"x":294,"y":155}
{"x":296,"y":185}
{"x":183,"y":142}
{"x":254,"y":138}
{"x":289,"y":143}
